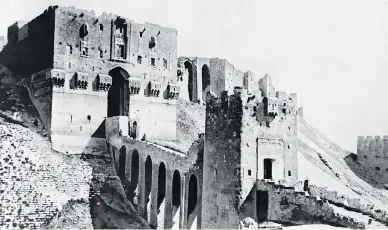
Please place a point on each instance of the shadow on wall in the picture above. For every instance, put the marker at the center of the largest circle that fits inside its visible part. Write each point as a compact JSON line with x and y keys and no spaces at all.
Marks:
{"x":109,"y":206}
{"x":371,"y":176}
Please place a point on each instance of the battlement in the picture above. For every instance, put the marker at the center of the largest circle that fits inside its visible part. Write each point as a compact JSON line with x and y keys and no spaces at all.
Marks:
{"x":372,"y":152}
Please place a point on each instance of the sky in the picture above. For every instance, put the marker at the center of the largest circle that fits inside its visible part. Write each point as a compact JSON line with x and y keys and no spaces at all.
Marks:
{"x":332,"y":53}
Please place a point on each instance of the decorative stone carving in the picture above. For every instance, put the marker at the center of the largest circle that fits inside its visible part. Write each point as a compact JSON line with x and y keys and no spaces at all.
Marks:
{"x":172,"y":91}
{"x":270,"y":142}
{"x":104,"y":82}
{"x":79,"y":81}
{"x":134,"y":85}
{"x":56,"y":77}
{"x":153,"y":89}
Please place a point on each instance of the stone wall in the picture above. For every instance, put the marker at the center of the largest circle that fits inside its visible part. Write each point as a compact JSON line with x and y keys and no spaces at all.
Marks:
{"x":212,"y":74}
{"x":222,"y":162}
{"x":30,"y":46}
{"x":373,"y":153}
{"x":287,"y":206}
{"x":348,"y":203}
{"x":244,"y":131}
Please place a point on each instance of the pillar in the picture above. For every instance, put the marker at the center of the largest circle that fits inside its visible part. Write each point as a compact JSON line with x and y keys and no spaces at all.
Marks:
{"x":168,"y":200}
{"x":153,"y":215}
{"x":141,"y":206}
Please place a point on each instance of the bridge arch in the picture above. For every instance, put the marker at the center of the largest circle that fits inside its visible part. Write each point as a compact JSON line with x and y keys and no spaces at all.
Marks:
{"x":161,"y":195}
{"x":176,"y":199}
{"x":134,"y":169}
{"x":192,"y":202}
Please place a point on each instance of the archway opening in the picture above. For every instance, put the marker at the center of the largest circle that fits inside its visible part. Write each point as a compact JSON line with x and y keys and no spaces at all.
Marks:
{"x":161,"y":194}
{"x":176,"y":199}
{"x":268,"y":169}
{"x":148,"y":185}
{"x":192,"y":81}
{"x":122,"y":159}
{"x":133,"y":191}
{"x":118,"y":94}
{"x":306,"y":186}
{"x":205,"y":77}
{"x":192,"y":194}
{"x":192,"y":202}
{"x":134,"y":130}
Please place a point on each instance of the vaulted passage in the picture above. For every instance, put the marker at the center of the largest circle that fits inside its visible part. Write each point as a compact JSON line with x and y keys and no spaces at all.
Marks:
{"x":122,"y":159}
{"x":133,"y":190}
{"x":192,"y":82}
{"x":161,"y":195}
{"x":176,"y":199}
{"x":148,"y":185}
{"x":118,"y":95}
{"x":268,"y":168}
{"x":192,"y":202}
{"x":205,"y":77}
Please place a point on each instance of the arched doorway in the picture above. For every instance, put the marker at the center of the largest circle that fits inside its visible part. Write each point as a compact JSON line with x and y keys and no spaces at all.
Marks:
{"x":122,"y":159}
{"x":192,"y":82}
{"x":118,"y":94}
{"x":161,"y":195}
{"x":192,"y":202}
{"x":205,"y":77}
{"x":133,"y":194}
{"x":176,"y":199}
{"x":148,"y":185}
{"x":306,"y":186}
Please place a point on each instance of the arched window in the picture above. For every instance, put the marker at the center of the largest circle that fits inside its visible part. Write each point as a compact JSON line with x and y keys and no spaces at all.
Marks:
{"x":83,"y":31}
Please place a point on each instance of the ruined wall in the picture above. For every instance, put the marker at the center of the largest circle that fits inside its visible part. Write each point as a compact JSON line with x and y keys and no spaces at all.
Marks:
{"x":215,"y":75}
{"x":287,"y":206}
{"x":30,"y":45}
{"x":373,"y":153}
{"x":222,"y":162}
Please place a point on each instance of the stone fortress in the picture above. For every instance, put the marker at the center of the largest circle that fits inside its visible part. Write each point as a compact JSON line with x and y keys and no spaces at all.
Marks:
{"x":108,"y":83}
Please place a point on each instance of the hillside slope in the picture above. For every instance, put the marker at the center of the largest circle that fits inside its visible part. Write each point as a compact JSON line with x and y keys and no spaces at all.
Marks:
{"x":322,"y":162}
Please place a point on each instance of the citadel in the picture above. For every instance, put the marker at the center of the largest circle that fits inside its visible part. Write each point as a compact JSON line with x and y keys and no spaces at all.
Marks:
{"x":106,"y":85}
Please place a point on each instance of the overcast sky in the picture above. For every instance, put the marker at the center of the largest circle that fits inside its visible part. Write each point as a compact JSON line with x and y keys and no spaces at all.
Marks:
{"x":332,"y":53}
